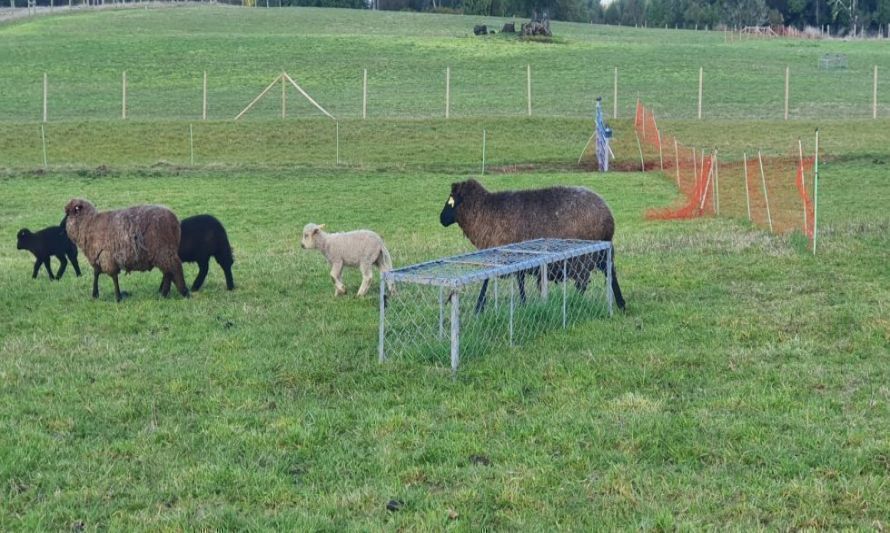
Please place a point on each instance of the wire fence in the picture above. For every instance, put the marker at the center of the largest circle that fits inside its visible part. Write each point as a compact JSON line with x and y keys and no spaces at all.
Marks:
{"x":396,"y":91}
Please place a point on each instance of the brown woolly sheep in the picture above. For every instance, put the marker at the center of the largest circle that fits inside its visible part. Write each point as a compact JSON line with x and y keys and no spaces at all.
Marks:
{"x":497,"y":218}
{"x":136,"y":238}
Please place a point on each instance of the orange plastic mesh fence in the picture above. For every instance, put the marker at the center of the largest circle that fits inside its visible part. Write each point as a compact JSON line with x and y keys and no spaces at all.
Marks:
{"x":772,"y":192}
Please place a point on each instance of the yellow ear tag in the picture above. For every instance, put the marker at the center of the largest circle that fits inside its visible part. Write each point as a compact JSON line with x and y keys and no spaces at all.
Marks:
{"x":451,"y":201}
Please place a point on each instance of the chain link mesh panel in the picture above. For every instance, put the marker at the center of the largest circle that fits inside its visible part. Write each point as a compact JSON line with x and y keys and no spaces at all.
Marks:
{"x":465,"y":306}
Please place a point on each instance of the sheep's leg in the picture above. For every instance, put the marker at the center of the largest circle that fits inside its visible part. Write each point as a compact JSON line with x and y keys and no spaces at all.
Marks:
{"x":95,"y":282}
{"x":336,"y":269}
{"x":72,"y":256}
{"x":62,"y":267}
{"x":367,"y":276}
{"x":37,"y":264}
{"x":49,"y":270}
{"x":165,"y":284}
{"x":117,"y":289}
{"x":480,"y":302}
{"x":179,"y":279}
{"x":203,"y":267}
{"x":227,"y":270}
{"x":616,"y":290}
{"x":520,"y":281}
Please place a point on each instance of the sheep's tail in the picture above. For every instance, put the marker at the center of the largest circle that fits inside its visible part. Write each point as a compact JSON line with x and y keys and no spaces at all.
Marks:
{"x":224,"y":251}
{"x":384,"y":263}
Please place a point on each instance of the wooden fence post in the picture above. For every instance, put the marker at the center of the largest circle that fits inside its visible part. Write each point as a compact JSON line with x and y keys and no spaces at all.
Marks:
{"x":615,"y":96}
{"x":874,"y":95}
{"x":124,"y":95}
{"x":701,"y":77}
{"x":447,"y":91}
{"x":528,"y":70}
{"x":204,"y":104}
{"x":45,"y":91}
{"x":283,"y":97}
{"x":787,"y":76}
{"x":365,"y":94}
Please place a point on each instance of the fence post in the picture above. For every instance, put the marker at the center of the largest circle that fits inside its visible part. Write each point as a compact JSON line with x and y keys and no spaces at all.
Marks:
{"x":483,"y":151}
{"x":716,"y":184}
{"x":701,"y":77}
{"x":191,"y":146}
{"x":45,"y":91}
{"x":528,"y":70}
{"x":769,"y":217}
{"x":615,"y":96}
{"x":381,"y":356}
{"x":283,"y":97}
{"x":124,"y":95}
{"x":447,"y":91}
{"x":338,"y":143}
{"x":787,"y":76}
{"x":747,"y":193}
{"x":455,"y":332}
{"x":365,"y":94}
{"x":43,"y":138}
{"x":204,"y":104}
{"x":816,"y":193}
{"x":677,"y":162}
{"x":874,"y":96}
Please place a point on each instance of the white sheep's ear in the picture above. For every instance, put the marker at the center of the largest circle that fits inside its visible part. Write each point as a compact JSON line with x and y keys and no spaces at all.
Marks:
{"x":320,"y":226}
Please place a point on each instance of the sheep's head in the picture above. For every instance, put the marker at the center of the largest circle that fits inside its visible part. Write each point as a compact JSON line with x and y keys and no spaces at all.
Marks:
{"x":460,"y":191}
{"x":310,"y":232}
{"x":79,"y":207}
{"x":24,"y":236}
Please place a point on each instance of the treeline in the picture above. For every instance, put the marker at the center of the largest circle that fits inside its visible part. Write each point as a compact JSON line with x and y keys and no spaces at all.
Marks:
{"x":842,"y":15}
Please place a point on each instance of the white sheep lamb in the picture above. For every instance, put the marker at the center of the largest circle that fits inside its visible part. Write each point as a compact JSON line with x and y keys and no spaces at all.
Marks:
{"x":361,"y":248}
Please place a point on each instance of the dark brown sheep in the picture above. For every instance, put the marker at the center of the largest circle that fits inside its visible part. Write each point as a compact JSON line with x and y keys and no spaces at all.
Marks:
{"x":136,"y":238}
{"x":491,"y":219}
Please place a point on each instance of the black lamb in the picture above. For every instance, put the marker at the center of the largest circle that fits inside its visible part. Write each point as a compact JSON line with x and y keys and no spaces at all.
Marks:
{"x":48,"y":242}
{"x":203,"y":237}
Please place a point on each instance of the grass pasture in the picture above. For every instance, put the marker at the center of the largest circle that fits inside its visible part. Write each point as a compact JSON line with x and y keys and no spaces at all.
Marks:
{"x":746,"y":386}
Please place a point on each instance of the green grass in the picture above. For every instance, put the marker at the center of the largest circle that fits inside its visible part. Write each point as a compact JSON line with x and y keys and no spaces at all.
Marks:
{"x":165,"y":52}
{"x":745,"y":387}
{"x":746,"y":384}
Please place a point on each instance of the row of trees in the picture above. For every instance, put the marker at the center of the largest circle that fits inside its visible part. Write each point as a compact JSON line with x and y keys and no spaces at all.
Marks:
{"x":842,"y":15}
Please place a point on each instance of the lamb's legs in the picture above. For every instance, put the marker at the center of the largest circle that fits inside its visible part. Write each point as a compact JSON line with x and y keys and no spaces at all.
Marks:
{"x":367,"y":276}
{"x":336,"y":269}
{"x":227,"y":270}
{"x":203,"y":267}
{"x":95,"y":282}
{"x":73,"y":257}
{"x":48,"y":269}
{"x":37,"y":264}
{"x":62,"y":267}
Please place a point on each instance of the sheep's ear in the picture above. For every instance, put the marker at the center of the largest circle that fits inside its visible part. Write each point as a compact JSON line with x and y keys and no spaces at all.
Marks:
{"x":321,"y":226}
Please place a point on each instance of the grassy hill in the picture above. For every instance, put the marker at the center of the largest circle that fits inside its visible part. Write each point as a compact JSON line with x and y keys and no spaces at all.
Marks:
{"x":745,"y":386}
{"x":166,"y":51}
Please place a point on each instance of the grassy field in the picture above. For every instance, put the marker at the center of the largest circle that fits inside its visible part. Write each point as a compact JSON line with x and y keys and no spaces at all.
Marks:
{"x":745,"y":387}
{"x":166,"y":51}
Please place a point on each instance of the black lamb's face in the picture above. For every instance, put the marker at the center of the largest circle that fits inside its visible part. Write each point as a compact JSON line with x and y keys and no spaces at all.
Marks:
{"x":448,"y":216}
{"x":22,"y":238}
